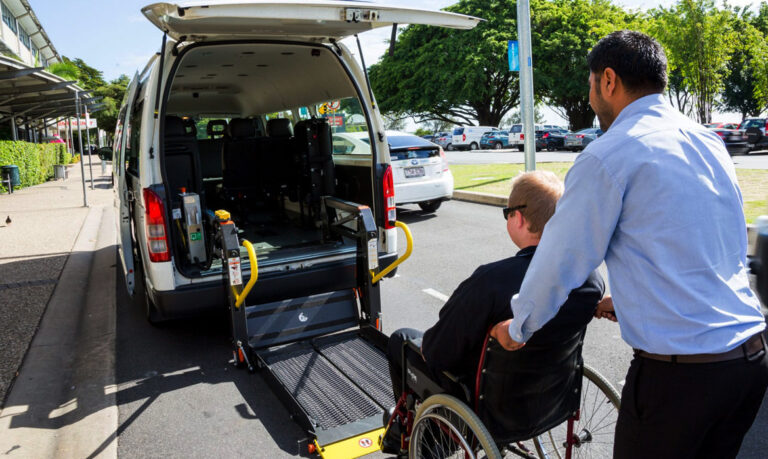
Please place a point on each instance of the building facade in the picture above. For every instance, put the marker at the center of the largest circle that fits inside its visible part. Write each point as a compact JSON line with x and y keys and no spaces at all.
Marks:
{"x":22,"y":36}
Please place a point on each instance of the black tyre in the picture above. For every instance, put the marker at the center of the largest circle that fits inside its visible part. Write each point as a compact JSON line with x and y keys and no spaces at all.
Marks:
{"x":430,"y":206}
{"x":445,"y":427}
{"x":473,"y":146}
{"x":595,"y":428}
{"x":142,"y":297}
{"x":498,"y":146}
{"x":520,"y":148}
{"x":449,"y":147}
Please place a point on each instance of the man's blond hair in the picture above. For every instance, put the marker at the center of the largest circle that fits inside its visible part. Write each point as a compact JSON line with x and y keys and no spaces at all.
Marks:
{"x":539,"y":192}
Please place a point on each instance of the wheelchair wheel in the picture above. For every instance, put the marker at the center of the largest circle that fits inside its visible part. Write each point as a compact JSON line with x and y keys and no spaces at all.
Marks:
{"x":445,"y":427}
{"x":595,"y":427}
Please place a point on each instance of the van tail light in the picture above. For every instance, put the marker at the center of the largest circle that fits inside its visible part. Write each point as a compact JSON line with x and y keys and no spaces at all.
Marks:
{"x":765,"y":129}
{"x":390,"y":212}
{"x":463,"y":137}
{"x":157,"y":235}
{"x":445,"y":160}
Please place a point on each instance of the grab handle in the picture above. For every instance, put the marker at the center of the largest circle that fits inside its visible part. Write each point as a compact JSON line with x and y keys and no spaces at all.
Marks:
{"x":254,"y":274}
{"x":408,"y":249}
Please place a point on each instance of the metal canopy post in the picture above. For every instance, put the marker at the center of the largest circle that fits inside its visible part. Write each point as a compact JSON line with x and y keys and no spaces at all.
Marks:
{"x":13,"y":126}
{"x":88,"y":136}
{"x":526,"y":82}
{"x":82,"y":168}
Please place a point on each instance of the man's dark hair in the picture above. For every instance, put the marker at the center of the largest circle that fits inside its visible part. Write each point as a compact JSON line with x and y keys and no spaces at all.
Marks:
{"x":637,"y":59}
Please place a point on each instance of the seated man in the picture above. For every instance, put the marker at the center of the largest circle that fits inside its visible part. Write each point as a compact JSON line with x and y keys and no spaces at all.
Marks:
{"x":455,"y":343}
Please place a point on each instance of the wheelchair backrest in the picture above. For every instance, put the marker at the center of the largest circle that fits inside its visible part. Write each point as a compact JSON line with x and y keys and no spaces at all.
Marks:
{"x":524,"y":393}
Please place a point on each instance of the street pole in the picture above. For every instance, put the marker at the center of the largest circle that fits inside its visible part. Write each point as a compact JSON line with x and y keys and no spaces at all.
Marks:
{"x":82,"y":168}
{"x":70,"y":140}
{"x":13,"y":126}
{"x":88,"y":136}
{"x":526,"y":83}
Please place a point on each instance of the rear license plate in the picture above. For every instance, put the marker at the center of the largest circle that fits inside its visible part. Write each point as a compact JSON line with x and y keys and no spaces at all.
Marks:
{"x":572,"y":142}
{"x":411,"y":172}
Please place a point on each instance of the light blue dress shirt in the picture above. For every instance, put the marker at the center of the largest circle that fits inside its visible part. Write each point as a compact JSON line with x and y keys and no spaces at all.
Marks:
{"x":656,"y":197}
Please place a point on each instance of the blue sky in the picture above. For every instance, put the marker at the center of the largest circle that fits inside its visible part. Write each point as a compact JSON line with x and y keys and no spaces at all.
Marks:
{"x":114,"y":37}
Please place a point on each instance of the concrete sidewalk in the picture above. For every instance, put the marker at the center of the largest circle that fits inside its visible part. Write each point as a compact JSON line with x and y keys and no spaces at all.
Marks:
{"x":59,"y":404}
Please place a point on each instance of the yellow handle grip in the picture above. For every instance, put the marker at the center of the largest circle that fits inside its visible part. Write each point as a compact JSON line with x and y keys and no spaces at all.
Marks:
{"x":408,"y":250}
{"x":254,"y":274}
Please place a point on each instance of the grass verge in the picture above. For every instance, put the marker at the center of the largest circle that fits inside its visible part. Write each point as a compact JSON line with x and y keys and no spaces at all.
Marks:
{"x":496,"y":179}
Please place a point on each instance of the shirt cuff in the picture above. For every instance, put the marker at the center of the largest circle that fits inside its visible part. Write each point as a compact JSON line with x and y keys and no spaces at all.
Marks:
{"x":516,"y":331}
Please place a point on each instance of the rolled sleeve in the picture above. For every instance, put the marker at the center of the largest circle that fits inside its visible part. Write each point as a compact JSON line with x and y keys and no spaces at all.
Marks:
{"x":573,"y":244}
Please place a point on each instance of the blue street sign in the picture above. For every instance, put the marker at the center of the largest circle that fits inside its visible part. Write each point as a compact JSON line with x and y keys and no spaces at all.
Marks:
{"x":303,"y":111}
{"x":513,"y":54}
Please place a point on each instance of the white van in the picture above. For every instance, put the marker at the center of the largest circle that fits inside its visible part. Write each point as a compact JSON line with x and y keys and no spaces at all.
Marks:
{"x":468,"y":137}
{"x":237,"y":112}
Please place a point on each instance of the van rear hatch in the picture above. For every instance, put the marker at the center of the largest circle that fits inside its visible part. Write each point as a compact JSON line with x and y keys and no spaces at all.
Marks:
{"x":317,"y":20}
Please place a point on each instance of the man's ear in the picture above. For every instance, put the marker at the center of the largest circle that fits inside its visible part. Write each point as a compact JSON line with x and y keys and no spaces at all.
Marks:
{"x":520,"y":221}
{"x":609,"y":81}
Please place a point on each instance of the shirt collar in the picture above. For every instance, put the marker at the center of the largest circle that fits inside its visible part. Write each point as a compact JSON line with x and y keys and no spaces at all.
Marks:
{"x":639,"y":105}
{"x":526,"y":251}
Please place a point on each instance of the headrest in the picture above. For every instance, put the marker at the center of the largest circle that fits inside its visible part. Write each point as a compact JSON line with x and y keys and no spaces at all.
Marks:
{"x":190,"y":127}
{"x":216,"y":127}
{"x":279,"y":128}
{"x":240,"y":128}
{"x":174,"y":126}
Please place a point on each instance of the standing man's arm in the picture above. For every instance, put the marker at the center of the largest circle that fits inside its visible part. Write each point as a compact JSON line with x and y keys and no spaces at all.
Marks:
{"x":574,"y":243}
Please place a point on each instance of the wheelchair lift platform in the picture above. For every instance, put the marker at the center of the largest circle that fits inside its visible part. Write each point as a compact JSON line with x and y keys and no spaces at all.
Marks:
{"x":322,"y":352}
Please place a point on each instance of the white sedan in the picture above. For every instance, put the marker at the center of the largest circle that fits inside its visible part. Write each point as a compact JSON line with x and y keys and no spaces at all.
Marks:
{"x":419,"y":167}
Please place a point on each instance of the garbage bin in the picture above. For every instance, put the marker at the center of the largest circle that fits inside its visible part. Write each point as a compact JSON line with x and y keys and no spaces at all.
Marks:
{"x":9,"y":175}
{"x":59,"y":171}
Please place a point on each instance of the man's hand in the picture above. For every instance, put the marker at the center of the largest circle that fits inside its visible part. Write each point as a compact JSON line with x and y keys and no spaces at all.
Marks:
{"x":500,"y":332}
{"x":605,"y":309}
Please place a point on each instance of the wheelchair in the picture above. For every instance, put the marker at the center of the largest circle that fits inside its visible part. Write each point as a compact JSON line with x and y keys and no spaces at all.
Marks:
{"x":545,"y":396}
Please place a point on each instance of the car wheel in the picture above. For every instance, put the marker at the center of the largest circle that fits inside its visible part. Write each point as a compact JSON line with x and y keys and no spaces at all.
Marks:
{"x":520,"y":148}
{"x":473,"y":146}
{"x":449,"y":147}
{"x":498,"y":146}
{"x":430,"y":206}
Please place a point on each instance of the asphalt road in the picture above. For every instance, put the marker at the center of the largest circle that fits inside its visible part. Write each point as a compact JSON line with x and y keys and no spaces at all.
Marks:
{"x":179,"y":397}
{"x":754,"y":160}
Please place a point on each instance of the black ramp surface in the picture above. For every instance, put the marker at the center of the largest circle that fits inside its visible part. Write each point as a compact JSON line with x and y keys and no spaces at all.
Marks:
{"x":327,"y":396}
{"x":361,"y":362}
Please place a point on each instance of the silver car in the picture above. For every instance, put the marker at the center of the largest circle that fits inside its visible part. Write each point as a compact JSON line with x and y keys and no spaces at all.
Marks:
{"x":577,"y":141}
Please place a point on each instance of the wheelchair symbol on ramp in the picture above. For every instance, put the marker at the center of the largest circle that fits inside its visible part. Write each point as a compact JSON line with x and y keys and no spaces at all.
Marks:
{"x":365,"y":442}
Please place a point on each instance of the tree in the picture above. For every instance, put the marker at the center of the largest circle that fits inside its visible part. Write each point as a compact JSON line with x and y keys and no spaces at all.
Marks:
{"x":88,"y":77}
{"x":112,"y":96}
{"x":455,"y":76}
{"x":563,"y":32}
{"x":699,"y":40}
{"x":66,"y":70}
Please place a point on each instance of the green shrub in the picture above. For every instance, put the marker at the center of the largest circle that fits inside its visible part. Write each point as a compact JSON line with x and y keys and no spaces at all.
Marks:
{"x":35,"y":161}
{"x":62,"y":153}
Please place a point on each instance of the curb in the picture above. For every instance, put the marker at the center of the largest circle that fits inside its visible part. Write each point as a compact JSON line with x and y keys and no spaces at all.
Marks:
{"x":496,"y":200}
{"x":63,"y":403}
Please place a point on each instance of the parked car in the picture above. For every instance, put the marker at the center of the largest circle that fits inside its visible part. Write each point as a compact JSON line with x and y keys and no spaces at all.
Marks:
{"x":758,"y":263}
{"x":444,"y":139}
{"x":736,"y":140}
{"x":577,"y":141}
{"x":468,"y":137}
{"x":271,"y":174}
{"x":419,"y":167}
{"x":495,"y":140}
{"x":757,"y":132}
{"x":550,"y":139}
{"x":430,"y":137}
{"x":721,"y":125}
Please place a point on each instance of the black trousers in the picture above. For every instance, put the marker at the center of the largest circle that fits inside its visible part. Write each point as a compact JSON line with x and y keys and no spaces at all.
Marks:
{"x":395,"y":356}
{"x":674,"y":410}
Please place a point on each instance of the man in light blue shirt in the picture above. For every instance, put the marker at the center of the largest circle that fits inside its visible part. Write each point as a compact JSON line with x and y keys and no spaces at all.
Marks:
{"x":656,"y":197}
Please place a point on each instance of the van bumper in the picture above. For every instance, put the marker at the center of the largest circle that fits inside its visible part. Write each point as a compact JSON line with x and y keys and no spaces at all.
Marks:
{"x":208,"y":297}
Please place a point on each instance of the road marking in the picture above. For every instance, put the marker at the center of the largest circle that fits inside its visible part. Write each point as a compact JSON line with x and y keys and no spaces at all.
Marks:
{"x":436,"y":294}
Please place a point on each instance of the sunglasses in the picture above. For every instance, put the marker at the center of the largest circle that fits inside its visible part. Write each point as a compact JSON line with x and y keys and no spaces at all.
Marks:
{"x":508,"y":210}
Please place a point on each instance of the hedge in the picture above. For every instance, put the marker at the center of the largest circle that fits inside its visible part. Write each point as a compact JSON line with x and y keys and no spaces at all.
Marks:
{"x":35,"y":160}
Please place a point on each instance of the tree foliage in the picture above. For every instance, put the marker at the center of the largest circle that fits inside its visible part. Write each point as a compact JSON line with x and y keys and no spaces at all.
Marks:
{"x":456,"y":76}
{"x":563,"y":32}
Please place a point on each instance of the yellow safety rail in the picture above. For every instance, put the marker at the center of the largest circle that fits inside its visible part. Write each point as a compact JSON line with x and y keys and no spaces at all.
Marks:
{"x":240,"y":297}
{"x":408,"y":250}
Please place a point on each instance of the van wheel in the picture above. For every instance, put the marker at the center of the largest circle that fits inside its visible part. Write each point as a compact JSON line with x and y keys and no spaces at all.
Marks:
{"x":449,"y":147}
{"x":145,"y":302}
{"x":473,"y":146}
{"x":520,"y":148}
{"x":497,"y":146}
{"x":430,"y":206}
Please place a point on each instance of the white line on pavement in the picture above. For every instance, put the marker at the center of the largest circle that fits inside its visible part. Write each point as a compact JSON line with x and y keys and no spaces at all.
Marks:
{"x":436,"y":294}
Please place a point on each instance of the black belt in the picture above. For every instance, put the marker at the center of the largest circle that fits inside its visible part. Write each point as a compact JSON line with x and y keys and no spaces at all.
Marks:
{"x":751,"y":349}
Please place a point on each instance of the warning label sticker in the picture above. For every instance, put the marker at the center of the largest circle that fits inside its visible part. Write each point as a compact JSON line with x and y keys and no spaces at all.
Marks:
{"x":373,"y":254}
{"x":235,"y":275}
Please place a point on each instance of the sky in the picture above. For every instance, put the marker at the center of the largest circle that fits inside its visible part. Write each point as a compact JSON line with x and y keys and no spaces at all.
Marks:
{"x":114,"y":36}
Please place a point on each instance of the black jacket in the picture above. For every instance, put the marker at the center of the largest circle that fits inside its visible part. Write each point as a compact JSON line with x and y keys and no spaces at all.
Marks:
{"x":455,"y":342}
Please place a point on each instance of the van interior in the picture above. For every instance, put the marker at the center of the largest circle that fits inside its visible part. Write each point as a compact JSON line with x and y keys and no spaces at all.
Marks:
{"x":251,"y":129}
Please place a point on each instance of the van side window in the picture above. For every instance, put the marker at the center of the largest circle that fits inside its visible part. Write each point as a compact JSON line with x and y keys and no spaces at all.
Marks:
{"x":118,"y":141}
{"x":132,"y":146}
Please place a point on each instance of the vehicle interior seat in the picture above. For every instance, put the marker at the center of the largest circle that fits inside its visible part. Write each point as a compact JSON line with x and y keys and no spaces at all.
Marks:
{"x":314,"y":155}
{"x":278,"y":156}
{"x":182,"y":165}
{"x":241,"y":165}
{"x":211,"y":155}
